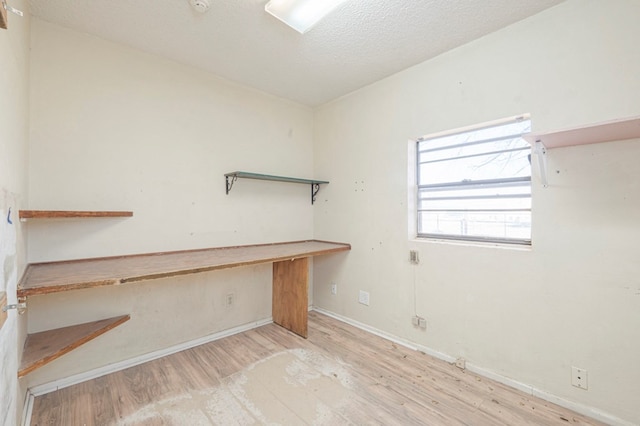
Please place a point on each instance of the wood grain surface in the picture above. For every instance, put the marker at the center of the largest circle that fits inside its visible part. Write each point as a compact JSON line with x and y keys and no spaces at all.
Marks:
{"x":56,"y":214}
{"x":381,"y":383}
{"x":3,"y":17}
{"x":290,"y":296}
{"x":46,"y":346}
{"x":52,"y":277}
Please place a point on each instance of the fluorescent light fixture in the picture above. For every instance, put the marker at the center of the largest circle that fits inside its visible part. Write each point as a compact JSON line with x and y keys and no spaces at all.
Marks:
{"x":301,"y":15}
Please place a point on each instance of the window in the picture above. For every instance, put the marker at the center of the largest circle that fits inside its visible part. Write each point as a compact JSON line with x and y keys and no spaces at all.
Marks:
{"x":475,"y":185}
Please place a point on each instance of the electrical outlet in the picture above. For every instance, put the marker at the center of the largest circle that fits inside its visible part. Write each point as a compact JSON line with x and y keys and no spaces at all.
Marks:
{"x":422,"y":323}
{"x":334,"y":288}
{"x":419,"y":322}
{"x":579,"y":378}
{"x":228,"y":300}
{"x":363,"y":297}
{"x":414,"y":257}
{"x":461,"y":363}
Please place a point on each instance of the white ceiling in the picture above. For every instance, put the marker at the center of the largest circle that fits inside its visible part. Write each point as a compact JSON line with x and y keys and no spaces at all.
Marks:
{"x":359,"y":43}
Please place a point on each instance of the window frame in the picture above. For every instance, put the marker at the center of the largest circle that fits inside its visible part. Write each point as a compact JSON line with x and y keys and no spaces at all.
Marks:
{"x":497,"y":182}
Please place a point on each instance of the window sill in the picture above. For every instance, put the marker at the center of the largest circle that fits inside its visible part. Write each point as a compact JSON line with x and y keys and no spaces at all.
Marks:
{"x":481,"y":244}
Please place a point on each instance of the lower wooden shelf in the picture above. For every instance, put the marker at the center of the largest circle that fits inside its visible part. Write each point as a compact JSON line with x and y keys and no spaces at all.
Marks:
{"x":43,"y":347}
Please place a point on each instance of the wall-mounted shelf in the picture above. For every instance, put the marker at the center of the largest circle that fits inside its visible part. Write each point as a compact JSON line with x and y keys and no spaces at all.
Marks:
{"x":3,"y":16}
{"x":231,"y":177}
{"x":43,"y":347}
{"x":57,"y":214}
{"x":608,"y":131}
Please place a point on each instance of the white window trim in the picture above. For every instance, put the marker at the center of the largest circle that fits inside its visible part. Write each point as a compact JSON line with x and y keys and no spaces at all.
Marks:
{"x":412,"y":186}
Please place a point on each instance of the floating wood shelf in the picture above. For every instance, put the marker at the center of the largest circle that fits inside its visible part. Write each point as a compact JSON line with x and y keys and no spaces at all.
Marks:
{"x":52,"y":277}
{"x":56,"y":214}
{"x":230,"y":178}
{"x":608,"y":131}
{"x":46,"y":346}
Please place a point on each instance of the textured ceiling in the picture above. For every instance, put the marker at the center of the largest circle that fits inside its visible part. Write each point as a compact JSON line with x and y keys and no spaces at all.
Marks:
{"x":359,"y":43}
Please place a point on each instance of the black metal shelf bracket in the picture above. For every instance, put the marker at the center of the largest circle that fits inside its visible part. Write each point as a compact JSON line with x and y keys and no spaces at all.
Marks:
{"x":315,"y":187}
{"x":230,"y":182}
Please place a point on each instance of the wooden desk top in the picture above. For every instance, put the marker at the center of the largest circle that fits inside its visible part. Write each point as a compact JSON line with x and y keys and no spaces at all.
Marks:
{"x":52,"y":277}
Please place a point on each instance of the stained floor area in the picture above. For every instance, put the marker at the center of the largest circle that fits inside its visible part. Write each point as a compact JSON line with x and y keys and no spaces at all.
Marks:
{"x":340,"y":375}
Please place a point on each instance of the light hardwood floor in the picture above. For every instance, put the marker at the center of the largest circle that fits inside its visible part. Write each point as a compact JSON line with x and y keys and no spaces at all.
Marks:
{"x":339,"y":375}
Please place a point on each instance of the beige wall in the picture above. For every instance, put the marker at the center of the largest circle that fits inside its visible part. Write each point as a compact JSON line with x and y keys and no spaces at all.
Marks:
{"x":573,"y":298}
{"x":14,"y":133}
{"x":116,"y":129}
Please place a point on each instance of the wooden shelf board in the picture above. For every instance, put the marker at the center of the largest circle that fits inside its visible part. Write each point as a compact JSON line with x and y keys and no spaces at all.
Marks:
{"x":52,"y":277}
{"x":54,"y":214}
{"x":609,"y":131}
{"x":3,"y":17}
{"x":46,"y":346}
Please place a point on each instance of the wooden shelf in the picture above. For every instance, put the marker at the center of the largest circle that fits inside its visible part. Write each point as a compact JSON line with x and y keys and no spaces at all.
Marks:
{"x":616,"y":130}
{"x":231,"y":177}
{"x":3,"y":17}
{"x":52,"y":277}
{"x":56,"y":214}
{"x":289,"y":301}
{"x":46,"y":346}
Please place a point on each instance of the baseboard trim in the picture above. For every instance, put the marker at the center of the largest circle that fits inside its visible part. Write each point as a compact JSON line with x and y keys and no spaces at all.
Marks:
{"x":531,"y":390}
{"x":27,"y":409}
{"x":395,"y":339}
{"x":112,"y":368}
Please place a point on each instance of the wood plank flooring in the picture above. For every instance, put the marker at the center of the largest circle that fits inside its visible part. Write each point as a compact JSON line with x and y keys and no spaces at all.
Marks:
{"x":339,"y":375}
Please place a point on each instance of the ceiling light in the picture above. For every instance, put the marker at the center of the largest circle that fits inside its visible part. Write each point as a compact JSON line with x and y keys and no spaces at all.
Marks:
{"x":301,"y":15}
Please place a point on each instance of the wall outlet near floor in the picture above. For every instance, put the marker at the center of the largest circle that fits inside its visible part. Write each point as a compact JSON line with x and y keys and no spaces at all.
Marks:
{"x":419,"y":322}
{"x":579,"y":378}
{"x":228,"y":300}
{"x":334,"y":288}
{"x":363,"y":297}
{"x":461,"y":363}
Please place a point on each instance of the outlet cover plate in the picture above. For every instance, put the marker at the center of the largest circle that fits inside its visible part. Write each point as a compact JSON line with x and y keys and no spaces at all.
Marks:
{"x":363,"y":297}
{"x":579,"y":378}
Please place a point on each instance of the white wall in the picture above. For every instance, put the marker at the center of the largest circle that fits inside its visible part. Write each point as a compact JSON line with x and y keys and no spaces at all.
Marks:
{"x":526,"y":314}
{"x":14,"y":133}
{"x":116,"y":129}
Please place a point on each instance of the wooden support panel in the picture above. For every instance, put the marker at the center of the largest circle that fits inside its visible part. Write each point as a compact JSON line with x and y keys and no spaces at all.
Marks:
{"x":291,"y":294}
{"x":46,"y":346}
{"x":3,"y":303}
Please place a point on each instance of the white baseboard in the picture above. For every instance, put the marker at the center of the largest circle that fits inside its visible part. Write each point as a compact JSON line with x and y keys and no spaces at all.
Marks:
{"x":574,"y":406}
{"x":98,"y":372}
{"x":112,"y":368}
{"x":27,"y":409}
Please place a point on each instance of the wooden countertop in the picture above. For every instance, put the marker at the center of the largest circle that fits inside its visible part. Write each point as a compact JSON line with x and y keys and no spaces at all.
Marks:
{"x":52,"y":277}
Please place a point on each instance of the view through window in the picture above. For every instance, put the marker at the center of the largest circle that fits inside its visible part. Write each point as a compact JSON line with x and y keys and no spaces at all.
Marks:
{"x":475,"y":185}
